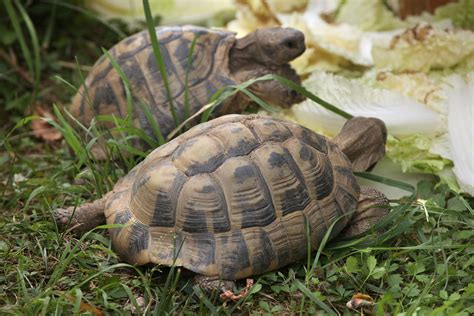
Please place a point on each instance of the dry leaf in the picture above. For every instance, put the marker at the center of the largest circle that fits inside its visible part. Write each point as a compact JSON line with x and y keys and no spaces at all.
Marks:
{"x":42,"y":129}
{"x":229,"y":295}
{"x":85,"y":307}
{"x":359,"y":301}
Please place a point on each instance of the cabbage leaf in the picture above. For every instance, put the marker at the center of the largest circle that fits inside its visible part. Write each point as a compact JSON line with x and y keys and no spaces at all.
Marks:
{"x":461,"y":129}
{"x":170,"y":11}
{"x":423,"y":48}
{"x":401,"y":114}
{"x":369,"y":15}
{"x":461,"y":13}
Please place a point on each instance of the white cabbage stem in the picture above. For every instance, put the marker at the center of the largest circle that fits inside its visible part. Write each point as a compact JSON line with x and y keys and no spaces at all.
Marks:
{"x":460,"y":129}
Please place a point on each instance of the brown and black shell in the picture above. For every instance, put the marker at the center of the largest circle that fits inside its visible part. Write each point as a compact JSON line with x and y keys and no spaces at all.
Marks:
{"x":104,"y":93}
{"x":234,"y":197}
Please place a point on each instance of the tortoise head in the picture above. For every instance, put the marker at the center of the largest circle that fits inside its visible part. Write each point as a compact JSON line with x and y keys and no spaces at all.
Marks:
{"x":270,"y":47}
{"x":277,"y":45}
{"x":363,"y":140}
{"x":268,"y":51}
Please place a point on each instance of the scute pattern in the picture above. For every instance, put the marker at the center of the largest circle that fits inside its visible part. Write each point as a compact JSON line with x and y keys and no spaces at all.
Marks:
{"x":270,"y":130}
{"x":204,"y":208}
{"x":260,"y":249}
{"x":233,"y":255}
{"x":285,"y":183}
{"x":136,"y":58}
{"x":238,"y":193}
{"x":199,"y":155}
{"x":248,"y":196}
{"x":200,"y":250}
{"x":315,"y":166}
{"x":238,"y":138}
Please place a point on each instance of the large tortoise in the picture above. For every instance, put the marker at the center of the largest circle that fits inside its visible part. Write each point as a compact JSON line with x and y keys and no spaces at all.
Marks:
{"x":230,"y":198}
{"x":219,"y":59}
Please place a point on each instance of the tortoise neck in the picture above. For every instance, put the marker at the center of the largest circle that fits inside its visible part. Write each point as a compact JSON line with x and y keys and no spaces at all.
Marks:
{"x":247,"y":53}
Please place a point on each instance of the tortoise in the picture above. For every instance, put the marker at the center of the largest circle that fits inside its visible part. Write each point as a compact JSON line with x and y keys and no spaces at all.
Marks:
{"x":218,"y":59}
{"x":230,"y":198}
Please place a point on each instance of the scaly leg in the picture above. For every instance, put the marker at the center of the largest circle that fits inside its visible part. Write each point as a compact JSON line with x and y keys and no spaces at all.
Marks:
{"x":226,"y":287}
{"x":213,"y":283}
{"x":83,"y":217}
{"x":372,"y":206}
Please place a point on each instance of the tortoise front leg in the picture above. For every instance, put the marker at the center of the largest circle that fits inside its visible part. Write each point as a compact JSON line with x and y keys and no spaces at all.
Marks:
{"x":372,"y":206}
{"x":83,"y":217}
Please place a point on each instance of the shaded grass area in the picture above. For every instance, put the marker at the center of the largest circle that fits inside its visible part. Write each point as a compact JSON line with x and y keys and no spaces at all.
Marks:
{"x":420,"y":259}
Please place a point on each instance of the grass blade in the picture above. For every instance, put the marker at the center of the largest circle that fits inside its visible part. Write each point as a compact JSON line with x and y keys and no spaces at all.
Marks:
{"x":126,"y":84}
{"x":321,"y":246}
{"x":257,"y":100}
{"x":189,"y":63}
{"x":132,"y":299}
{"x":77,"y":302}
{"x":159,"y":58}
{"x":311,"y":96}
{"x":153,"y":123}
{"x":36,"y":60}
{"x":204,"y":299}
{"x":68,"y":132}
{"x":300,"y":286}
{"x":83,"y":83}
{"x":49,"y":29}
{"x":45,"y":305}
{"x":387,"y":181}
{"x":19,"y":34}
{"x":66,"y":83}
{"x":132,"y":132}
{"x":87,"y":13}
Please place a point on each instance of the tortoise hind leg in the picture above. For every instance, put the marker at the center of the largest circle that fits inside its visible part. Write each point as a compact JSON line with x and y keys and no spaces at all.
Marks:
{"x":213,"y":283}
{"x":372,"y":206}
{"x":226,"y":287}
{"x":83,"y":217}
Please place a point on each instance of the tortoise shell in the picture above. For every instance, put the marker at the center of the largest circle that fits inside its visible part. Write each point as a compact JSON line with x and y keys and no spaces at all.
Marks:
{"x":233,"y":197}
{"x":104,"y":92}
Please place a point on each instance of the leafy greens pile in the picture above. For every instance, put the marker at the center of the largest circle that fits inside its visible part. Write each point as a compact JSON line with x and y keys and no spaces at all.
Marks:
{"x":416,"y":74}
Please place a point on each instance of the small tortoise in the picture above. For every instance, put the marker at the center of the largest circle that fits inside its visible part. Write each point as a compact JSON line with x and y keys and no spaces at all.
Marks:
{"x":230,"y":198}
{"x":219,"y":59}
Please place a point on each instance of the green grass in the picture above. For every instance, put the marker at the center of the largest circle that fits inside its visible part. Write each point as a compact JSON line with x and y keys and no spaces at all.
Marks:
{"x":419,"y":259}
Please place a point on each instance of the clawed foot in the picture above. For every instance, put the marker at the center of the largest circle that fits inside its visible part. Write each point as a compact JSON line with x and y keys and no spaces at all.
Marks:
{"x":63,"y":217}
{"x":226,"y":287}
{"x":82,"y":218}
{"x":229,"y":295}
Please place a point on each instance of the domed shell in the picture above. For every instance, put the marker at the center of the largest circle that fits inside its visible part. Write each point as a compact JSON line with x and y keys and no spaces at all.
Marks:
{"x":233,"y":197}
{"x":207,"y":72}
